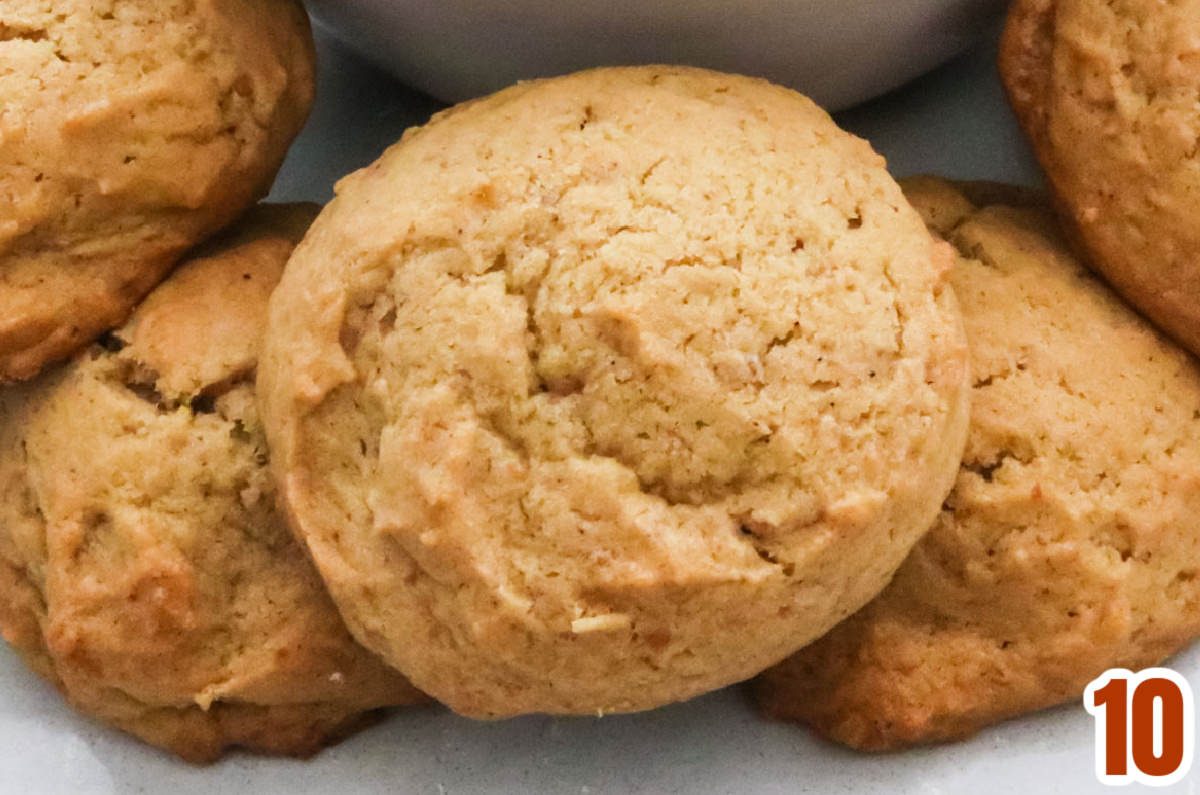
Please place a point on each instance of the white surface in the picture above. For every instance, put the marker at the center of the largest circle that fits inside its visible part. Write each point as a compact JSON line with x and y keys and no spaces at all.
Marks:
{"x":953,"y":122}
{"x":837,"y":51}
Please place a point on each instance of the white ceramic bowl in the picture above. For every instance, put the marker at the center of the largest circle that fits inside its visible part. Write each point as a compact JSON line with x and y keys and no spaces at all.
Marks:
{"x":839,"y":52}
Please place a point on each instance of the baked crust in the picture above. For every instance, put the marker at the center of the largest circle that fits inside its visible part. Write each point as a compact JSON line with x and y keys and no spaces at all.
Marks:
{"x":606,"y":391}
{"x":1070,"y":543}
{"x":144,"y":567}
{"x":1107,"y":95}
{"x":130,"y":132}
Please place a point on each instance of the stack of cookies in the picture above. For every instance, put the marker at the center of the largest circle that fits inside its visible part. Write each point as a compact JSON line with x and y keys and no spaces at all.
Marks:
{"x":589,"y":396}
{"x":1071,"y":541}
{"x":144,"y":566}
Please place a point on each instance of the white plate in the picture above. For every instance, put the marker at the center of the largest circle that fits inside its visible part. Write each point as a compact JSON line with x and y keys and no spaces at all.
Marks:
{"x":837,"y":51}
{"x":954,"y":123}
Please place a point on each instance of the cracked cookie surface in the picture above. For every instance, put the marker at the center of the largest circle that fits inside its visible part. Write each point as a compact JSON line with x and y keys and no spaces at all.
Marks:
{"x":606,"y":391}
{"x":1107,"y":93}
{"x":1071,"y":541}
{"x":144,"y":567}
{"x":129,"y":132}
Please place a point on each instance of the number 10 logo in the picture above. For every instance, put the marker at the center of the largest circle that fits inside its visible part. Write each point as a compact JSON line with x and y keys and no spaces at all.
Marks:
{"x":1145,"y":726}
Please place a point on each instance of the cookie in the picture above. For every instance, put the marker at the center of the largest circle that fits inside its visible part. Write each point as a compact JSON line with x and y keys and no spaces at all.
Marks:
{"x":1107,"y":95}
{"x":1071,"y":541}
{"x":130,"y":132}
{"x":144,"y":567}
{"x":609,"y":390}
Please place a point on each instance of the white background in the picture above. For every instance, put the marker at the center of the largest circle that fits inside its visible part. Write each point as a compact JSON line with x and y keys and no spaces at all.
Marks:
{"x":953,"y":122}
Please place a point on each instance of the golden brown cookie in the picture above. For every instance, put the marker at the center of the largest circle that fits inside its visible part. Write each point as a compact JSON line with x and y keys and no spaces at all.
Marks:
{"x":1107,"y":94}
{"x":143,"y":565}
{"x":1071,"y":541}
{"x":605,"y":391}
{"x":129,"y":132}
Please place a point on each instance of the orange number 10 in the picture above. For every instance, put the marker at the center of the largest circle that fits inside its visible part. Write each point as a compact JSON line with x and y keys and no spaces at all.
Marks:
{"x":1145,"y":726}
